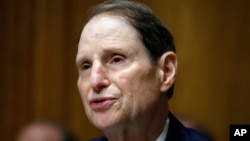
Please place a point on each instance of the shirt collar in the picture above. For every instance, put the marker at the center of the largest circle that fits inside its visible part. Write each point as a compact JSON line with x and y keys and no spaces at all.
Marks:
{"x":164,"y":132}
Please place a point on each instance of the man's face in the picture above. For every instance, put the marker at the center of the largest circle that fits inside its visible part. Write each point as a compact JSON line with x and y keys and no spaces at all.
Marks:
{"x":39,"y":132}
{"x":117,"y":81}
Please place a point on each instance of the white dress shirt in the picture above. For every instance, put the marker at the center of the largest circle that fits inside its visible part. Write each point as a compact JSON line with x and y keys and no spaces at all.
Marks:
{"x":164,"y":133}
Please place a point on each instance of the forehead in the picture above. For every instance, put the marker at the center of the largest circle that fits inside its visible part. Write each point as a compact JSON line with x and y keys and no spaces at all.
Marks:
{"x":108,"y":25}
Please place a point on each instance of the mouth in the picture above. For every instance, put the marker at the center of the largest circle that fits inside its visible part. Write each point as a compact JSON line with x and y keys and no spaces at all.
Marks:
{"x":101,"y":104}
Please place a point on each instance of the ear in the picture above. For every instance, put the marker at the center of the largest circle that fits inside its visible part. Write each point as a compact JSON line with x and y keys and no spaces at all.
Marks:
{"x":168,"y":66}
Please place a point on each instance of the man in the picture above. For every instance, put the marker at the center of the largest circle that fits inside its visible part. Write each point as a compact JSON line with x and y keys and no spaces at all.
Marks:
{"x":127,"y":66}
{"x":44,"y":131}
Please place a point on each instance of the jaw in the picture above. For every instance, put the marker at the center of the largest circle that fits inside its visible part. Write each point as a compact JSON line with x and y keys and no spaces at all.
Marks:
{"x":142,"y":128}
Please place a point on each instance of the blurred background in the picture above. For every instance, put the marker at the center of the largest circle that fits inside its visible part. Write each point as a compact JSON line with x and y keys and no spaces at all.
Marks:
{"x":38,"y":74}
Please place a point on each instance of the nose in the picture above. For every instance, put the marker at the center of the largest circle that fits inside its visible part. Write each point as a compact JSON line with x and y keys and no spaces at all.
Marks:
{"x":98,"y":77}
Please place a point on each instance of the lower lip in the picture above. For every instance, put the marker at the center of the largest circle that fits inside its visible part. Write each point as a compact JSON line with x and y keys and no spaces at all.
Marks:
{"x":102,"y":106}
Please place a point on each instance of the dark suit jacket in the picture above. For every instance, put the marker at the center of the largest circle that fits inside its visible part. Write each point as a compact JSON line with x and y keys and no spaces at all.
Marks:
{"x":176,"y":132}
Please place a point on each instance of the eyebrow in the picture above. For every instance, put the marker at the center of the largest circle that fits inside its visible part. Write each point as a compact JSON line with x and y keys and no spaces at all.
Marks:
{"x":79,"y":61}
{"x":80,"y":58}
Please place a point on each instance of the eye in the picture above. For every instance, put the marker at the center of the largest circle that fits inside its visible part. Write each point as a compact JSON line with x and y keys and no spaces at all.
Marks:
{"x":117,"y":59}
{"x":85,"y":66}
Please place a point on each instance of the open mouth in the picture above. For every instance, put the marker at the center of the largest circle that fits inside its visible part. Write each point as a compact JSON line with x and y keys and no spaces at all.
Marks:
{"x":101,"y":104}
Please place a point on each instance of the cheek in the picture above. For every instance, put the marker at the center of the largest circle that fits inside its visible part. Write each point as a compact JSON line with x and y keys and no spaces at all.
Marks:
{"x":82,"y":88}
{"x":141,"y":85}
{"x":132,"y":84}
{"x":126,"y":82}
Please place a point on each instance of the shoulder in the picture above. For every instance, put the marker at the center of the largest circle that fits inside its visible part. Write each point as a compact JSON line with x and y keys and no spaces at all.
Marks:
{"x":102,"y":138}
{"x":196,"y":136}
{"x":177,"y":132}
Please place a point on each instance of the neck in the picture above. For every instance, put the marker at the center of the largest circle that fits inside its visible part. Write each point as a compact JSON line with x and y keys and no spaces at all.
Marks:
{"x":143,"y":128}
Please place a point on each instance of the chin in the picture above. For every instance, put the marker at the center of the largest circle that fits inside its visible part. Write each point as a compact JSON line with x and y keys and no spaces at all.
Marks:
{"x":104,"y":121}
{"x":103,"y":125}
